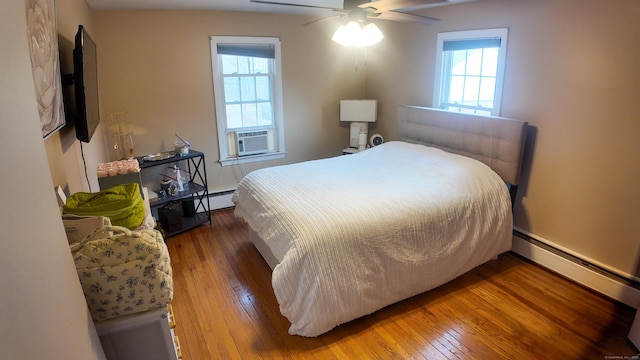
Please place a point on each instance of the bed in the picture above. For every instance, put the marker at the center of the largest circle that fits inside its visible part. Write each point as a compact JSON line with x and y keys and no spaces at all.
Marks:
{"x":349,"y":235}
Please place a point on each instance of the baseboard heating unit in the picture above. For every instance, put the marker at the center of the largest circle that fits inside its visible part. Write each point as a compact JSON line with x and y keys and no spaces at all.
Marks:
{"x":588,"y":273}
{"x":221,"y":199}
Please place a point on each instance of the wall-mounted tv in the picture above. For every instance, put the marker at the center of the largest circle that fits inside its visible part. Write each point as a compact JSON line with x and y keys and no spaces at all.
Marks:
{"x":85,"y":79}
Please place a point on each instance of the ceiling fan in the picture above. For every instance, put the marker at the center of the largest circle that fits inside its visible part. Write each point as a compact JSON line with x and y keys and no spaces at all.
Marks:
{"x":394,"y":10}
{"x":358,"y":30}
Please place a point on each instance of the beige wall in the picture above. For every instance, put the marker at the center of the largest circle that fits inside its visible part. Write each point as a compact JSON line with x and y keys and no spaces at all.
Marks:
{"x":572,"y":72}
{"x":43,"y":313}
{"x":156,"y":66}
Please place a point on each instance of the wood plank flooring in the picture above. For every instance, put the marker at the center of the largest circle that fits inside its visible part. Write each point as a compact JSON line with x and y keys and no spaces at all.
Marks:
{"x":508,"y":308}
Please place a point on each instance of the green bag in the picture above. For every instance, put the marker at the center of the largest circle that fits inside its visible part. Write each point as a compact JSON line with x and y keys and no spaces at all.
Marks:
{"x":123,"y":205}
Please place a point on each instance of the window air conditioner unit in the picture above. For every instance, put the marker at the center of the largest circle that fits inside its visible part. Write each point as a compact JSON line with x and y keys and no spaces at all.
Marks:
{"x":252,"y":142}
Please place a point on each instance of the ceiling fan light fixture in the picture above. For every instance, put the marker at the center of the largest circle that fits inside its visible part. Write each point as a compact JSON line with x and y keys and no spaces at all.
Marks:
{"x":352,"y":34}
{"x":371,"y":35}
{"x":340,"y":36}
{"x":347,"y":33}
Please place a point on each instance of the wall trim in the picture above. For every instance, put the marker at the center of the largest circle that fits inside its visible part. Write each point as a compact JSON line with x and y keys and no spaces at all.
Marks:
{"x":576,"y":268}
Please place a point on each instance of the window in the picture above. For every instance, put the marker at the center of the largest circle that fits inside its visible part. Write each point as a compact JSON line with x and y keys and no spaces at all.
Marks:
{"x":470,"y":70}
{"x":247,"y":84}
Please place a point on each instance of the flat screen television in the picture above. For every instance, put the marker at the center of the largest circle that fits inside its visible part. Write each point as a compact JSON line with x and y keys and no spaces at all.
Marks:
{"x":85,"y":79}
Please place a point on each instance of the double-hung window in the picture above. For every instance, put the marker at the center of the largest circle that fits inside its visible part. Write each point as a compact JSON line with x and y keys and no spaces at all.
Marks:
{"x":470,"y":71}
{"x":247,"y":84}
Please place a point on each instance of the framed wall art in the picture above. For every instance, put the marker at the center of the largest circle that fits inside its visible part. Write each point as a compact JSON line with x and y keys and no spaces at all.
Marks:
{"x":45,"y":63}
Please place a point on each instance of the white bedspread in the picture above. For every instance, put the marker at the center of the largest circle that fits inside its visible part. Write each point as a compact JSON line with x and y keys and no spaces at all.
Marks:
{"x":358,"y":232}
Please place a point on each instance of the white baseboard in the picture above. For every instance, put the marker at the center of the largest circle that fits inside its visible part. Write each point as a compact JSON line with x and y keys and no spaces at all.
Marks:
{"x":221,"y":200}
{"x":580,"y":273}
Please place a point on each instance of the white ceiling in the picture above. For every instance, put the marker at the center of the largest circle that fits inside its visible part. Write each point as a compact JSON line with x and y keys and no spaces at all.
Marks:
{"x":229,"y":5}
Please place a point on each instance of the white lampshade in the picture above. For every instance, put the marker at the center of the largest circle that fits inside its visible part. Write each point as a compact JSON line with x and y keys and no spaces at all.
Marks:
{"x":358,"y":110}
{"x":370,"y":35}
{"x":345,"y":35}
{"x":353,"y":34}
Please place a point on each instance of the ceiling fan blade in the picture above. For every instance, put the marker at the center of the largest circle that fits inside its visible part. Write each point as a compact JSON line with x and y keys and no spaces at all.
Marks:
{"x":398,"y":16}
{"x":337,"y":4}
{"x":389,"y":5}
{"x":322,"y":19}
{"x":432,"y":5}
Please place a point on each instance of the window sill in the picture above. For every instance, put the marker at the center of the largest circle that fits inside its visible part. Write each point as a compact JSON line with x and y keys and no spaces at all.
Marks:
{"x":252,"y":158}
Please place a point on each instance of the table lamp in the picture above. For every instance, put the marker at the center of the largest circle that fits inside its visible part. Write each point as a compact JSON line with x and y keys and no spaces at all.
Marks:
{"x":359,"y":113}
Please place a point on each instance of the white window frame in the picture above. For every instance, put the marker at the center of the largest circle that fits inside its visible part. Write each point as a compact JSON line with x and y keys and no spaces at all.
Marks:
{"x":226,"y":135}
{"x":439,"y":82}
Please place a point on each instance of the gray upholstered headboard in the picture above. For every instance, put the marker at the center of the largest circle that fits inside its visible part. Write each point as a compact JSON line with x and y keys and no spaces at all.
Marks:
{"x":497,"y":142}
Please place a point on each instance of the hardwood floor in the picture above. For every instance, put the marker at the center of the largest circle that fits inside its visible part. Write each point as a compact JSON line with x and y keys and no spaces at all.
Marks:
{"x":506,"y":309}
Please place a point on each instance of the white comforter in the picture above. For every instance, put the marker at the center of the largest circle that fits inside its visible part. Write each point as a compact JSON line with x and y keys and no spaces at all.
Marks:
{"x":358,"y":232}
